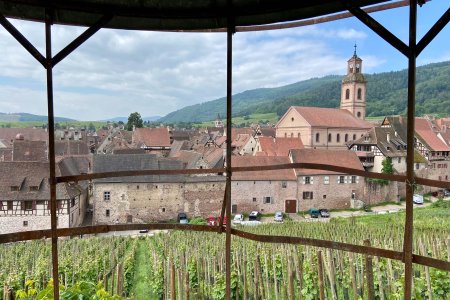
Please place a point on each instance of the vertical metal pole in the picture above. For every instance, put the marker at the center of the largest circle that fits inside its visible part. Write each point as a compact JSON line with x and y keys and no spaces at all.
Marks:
{"x":230,"y":30}
{"x":51,"y":147}
{"x":408,"y":239}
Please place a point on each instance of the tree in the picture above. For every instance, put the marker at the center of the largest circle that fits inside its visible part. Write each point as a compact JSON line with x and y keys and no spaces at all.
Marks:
{"x":91,"y":126}
{"x":134,"y":120}
{"x":388,"y":167}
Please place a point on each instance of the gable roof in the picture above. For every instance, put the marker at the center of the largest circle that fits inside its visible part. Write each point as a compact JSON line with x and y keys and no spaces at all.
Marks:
{"x":152,"y":137}
{"x":378,"y":136}
{"x":251,"y":161}
{"x":29,"y":150}
{"x":340,"y":158}
{"x":329,"y":117}
{"x":278,"y":146}
{"x":70,"y":147}
{"x":135,"y":162}
{"x":30,"y":134}
{"x":428,"y":136}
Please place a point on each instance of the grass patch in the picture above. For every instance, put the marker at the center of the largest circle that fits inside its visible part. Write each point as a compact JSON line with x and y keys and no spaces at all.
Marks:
{"x":141,"y":276}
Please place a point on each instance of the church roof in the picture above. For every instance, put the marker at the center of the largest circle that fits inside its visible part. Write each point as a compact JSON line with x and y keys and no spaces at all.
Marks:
{"x":331,"y":117}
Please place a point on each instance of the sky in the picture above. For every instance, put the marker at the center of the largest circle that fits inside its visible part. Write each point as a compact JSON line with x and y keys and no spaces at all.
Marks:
{"x":117,"y":72}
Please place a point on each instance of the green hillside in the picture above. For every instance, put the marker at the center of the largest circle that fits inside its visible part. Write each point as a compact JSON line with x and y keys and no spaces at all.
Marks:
{"x":25,"y":117}
{"x":386,"y":94}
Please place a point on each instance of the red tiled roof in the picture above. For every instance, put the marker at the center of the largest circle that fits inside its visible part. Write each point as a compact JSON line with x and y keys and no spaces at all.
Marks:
{"x":236,"y":131}
{"x":29,"y":150}
{"x":331,"y":117}
{"x":278,"y":146}
{"x":340,"y":158}
{"x":240,"y":140}
{"x":426,"y":133}
{"x":30,"y":134}
{"x":152,"y":137}
{"x":251,"y":161}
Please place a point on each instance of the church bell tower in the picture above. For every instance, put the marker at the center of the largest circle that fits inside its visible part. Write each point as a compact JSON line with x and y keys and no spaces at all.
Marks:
{"x":353,"y":90}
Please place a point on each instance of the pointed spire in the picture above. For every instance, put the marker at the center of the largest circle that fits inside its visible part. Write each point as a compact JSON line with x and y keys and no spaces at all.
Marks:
{"x":354,"y":53}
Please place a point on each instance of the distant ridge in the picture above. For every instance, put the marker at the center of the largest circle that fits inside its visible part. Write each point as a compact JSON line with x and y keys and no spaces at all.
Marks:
{"x":26,"y":117}
{"x":386,"y":95}
{"x":125,"y":119}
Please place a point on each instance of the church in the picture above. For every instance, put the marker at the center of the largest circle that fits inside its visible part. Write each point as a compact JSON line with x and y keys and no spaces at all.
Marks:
{"x":331,"y":128}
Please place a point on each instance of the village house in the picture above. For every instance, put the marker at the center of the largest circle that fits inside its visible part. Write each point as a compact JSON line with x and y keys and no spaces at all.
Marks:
{"x":25,"y":194}
{"x":327,"y":189}
{"x":331,"y":128}
{"x":382,"y":142}
{"x":270,"y":146}
{"x":153,"y":140}
{"x":143,"y":199}
{"x":427,"y":143}
{"x":263,"y":191}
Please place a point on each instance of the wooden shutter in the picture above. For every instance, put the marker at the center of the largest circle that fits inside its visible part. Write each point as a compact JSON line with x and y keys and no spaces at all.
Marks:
{"x":311,"y":180}
{"x":345,"y":179}
{"x":357,"y":179}
{"x":34,"y":205}
{"x":304,"y":179}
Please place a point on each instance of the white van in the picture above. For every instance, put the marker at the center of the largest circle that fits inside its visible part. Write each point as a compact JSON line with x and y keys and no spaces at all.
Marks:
{"x":417,"y":199}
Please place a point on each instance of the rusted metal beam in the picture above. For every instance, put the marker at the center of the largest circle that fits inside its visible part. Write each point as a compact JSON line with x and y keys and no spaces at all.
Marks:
{"x":433,"y":32}
{"x":51,"y":150}
{"x":230,"y":32}
{"x":81,"y":39}
{"x":377,"y":28}
{"x":410,"y":183}
{"x":22,"y":40}
{"x":76,"y":231}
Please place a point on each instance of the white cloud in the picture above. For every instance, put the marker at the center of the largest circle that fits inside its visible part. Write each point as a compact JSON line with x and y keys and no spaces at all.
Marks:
{"x":117,"y":72}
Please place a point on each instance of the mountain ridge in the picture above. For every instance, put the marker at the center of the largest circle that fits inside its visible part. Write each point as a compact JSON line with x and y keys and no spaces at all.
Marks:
{"x":386,"y":94}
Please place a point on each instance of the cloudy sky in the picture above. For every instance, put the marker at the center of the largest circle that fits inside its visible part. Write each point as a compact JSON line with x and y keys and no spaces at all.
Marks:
{"x":117,"y":72}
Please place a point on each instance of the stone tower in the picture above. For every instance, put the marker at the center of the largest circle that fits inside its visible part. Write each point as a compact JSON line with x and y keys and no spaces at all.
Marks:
{"x":353,"y":91}
{"x":218,"y":122}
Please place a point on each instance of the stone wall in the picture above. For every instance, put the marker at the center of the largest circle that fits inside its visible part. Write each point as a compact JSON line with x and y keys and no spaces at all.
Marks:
{"x":10,"y":224}
{"x":329,"y":195}
{"x":151,"y":202}
{"x":249,"y":195}
{"x":375,"y":193}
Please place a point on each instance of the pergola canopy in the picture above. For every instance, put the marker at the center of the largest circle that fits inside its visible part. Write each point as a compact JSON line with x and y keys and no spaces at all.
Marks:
{"x":189,"y":15}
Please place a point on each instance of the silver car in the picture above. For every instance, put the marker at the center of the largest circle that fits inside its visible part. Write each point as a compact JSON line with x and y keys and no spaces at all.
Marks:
{"x":278,"y":216}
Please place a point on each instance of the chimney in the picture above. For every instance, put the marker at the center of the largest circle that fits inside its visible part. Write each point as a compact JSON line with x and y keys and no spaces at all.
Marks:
{"x":388,"y":137}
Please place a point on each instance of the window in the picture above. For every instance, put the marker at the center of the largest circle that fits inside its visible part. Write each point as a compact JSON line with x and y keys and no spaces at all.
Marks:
{"x":14,"y":188}
{"x":285,"y":134}
{"x":267,"y":200}
{"x":359,"y":94}
{"x":292,"y":119}
{"x":298,"y":135}
{"x":346,"y":138}
{"x":9,"y":205}
{"x":107,"y":213}
{"x":317,"y":137}
{"x":329,"y":138}
{"x":399,"y":160}
{"x":106,"y":196}
{"x":347,"y":94}
{"x":417,"y":166}
{"x":137,"y":187}
{"x":25,"y":223}
{"x":341,"y":179}
{"x":292,"y":134}
{"x":324,"y":196}
{"x":254,"y":199}
{"x":353,"y":179}
{"x":72,"y":202}
{"x":354,"y":137}
{"x":338,"y":138}
{"x":353,"y":194}
{"x":307,"y":195}
{"x":34,"y":188}
{"x":307,"y":180}
{"x":326,"y":180}
{"x":284,"y":184}
{"x":28,"y":205}
{"x":358,"y":114}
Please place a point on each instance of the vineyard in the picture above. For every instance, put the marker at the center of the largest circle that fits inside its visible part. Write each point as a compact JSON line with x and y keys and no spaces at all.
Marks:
{"x":191,"y":265}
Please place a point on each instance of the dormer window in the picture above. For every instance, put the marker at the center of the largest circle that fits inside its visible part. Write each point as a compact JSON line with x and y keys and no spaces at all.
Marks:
{"x":14,"y":188}
{"x":34,"y":188}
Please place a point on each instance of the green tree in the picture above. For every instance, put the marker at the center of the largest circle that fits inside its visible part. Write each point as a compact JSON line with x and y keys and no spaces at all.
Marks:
{"x":91,"y":127}
{"x":388,"y":167}
{"x":134,"y":119}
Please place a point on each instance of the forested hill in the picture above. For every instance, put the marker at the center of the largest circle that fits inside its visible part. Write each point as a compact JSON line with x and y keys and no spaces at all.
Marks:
{"x":386,"y":94}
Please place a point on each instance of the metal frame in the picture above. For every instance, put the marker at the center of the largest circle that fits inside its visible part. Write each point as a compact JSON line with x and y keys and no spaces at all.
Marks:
{"x":411,"y":51}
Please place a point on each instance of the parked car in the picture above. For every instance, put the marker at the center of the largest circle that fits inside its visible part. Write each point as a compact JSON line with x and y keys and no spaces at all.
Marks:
{"x":182,"y":218}
{"x":417,"y":199}
{"x":324,"y":213}
{"x":254,"y":216}
{"x":211,"y":221}
{"x":143,"y":231}
{"x":278,"y":216}
{"x":238,"y":219}
{"x":447,"y":193}
{"x":313,"y":212}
